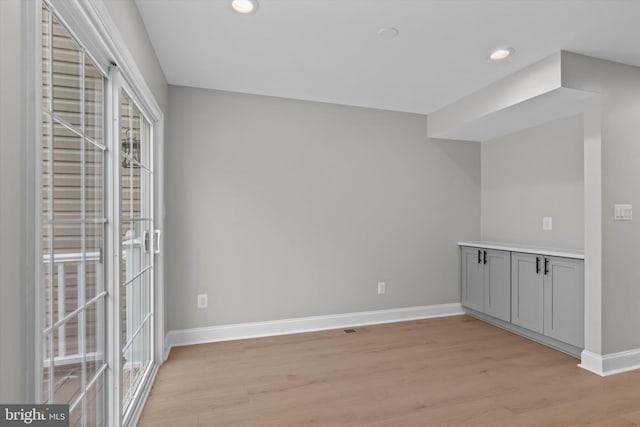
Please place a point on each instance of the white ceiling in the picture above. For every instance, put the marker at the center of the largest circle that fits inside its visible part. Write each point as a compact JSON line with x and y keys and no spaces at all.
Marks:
{"x":328,"y":50}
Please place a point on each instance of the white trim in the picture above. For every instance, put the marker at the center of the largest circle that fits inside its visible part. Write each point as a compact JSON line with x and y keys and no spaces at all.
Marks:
{"x":73,"y":359}
{"x":33,"y":160}
{"x":305,"y":324}
{"x":112,"y":256}
{"x":610,"y":364}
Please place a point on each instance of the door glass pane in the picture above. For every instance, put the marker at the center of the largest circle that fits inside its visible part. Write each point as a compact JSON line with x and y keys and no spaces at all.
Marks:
{"x":47,"y":176}
{"x":136,"y":227}
{"x":67,"y":172}
{"x":67,"y":75}
{"x":94,"y":267}
{"x":96,"y":404}
{"x":127,"y":377}
{"x":62,"y":266}
{"x":136,"y":254}
{"x":94,"y":181}
{"x":93,"y":102}
{"x":95,"y":339}
{"x":46,"y":59}
{"x":47,"y":367}
{"x":67,"y":363}
{"x":75,"y":416}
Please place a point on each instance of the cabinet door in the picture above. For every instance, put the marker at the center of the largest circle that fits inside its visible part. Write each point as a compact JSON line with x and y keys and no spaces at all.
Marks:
{"x":564,"y":300}
{"x":497,"y":284}
{"x":527,"y":291}
{"x":472,"y":280}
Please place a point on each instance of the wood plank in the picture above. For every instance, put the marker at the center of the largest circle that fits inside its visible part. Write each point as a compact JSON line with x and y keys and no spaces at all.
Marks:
{"x":448,"y":371}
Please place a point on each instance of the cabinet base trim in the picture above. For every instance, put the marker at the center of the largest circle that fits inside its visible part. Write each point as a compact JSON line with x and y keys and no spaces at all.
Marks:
{"x":534,"y":336}
{"x":610,"y":364}
{"x":305,"y":324}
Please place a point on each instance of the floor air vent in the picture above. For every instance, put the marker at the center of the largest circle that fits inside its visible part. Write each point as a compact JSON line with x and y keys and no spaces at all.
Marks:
{"x":349,"y":331}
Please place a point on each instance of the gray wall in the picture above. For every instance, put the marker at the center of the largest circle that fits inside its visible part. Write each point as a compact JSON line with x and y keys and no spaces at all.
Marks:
{"x":530,"y":174}
{"x":280,"y":208}
{"x":13,"y":323}
{"x":619,"y":86}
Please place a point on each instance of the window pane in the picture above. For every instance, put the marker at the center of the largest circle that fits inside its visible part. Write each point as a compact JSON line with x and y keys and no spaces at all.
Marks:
{"x":137,"y":357}
{"x":94,"y":267}
{"x":67,"y":76}
{"x":46,"y":60}
{"x":47,"y":176}
{"x":131,"y":309}
{"x":46,"y":370}
{"x":75,"y":416}
{"x":95,"y":338}
{"x":67,"y":170}
{"x":61,"y":267}
{"x":96,"y":403}
{"x":130,"y":181}
{"x":94,"y":181}
{"x":134,"y":257}
{"x":127,"y":377}
{"x":94,"y":101}
{"x":67,"y":363}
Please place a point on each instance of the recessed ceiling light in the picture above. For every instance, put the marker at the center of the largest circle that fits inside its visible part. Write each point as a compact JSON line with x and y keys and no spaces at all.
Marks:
{"x":388,"y":33}
{"x":501,"y":53}
{"x":244,"y":6}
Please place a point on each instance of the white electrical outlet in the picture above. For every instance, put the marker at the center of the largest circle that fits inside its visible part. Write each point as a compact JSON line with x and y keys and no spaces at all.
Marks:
{"x":382,"y":287}
{"x":203,"y":301}
{"x":547,"y":223}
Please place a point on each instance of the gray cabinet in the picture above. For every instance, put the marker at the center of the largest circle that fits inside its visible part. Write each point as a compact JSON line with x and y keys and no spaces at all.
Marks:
{"x":497,"y":284}
{"x":486,"y":281}
{"x":547,"y":296}
{"x":472,"y":279}
{"x":564,"y":300}
{"x":527,"y":291}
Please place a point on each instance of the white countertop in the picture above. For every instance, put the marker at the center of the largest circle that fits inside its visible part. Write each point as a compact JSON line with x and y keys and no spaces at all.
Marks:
{"x":530,"y":249}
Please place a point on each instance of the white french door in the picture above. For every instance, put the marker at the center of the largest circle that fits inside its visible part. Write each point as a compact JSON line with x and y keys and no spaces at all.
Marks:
{"x":96,"y":290}
{"x":137,"y":243}
{"x":73,"y":212}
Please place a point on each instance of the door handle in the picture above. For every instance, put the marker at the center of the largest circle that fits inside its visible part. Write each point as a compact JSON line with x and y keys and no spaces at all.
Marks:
{"x":156,"y":241}
{"x":537,"y":265}
{"x":145,"y":241}
{"x":479,"y":256}
{"x":546,"y":266}
{"x":485,"y":257}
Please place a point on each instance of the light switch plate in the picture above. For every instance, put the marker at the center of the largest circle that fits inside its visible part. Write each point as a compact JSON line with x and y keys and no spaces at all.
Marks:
{"x":622,"y":212}
{"x":547,"y":223}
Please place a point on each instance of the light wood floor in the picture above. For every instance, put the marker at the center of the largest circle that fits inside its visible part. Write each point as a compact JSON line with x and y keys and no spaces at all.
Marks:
{"x":453,"y":371}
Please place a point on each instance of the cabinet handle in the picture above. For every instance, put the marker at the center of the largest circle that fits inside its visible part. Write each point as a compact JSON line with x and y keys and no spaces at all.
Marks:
{"x":546,"y":266}
{"x":479,"y":256}
{"x":485,"y":257}
{"x":537,"y":265}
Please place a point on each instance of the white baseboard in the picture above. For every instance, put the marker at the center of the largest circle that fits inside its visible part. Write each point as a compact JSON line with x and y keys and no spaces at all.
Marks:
{"x":610,"y":364}
{"x":305,"y":324}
